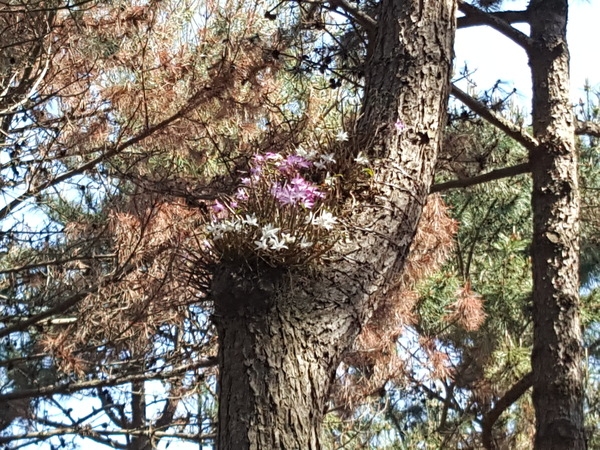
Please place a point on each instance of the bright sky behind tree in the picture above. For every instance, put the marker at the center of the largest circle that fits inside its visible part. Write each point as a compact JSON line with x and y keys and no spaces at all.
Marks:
{"x":494,"y":57}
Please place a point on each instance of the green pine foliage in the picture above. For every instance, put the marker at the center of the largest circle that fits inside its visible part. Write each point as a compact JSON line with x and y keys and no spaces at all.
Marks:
{"x":491,"y":257}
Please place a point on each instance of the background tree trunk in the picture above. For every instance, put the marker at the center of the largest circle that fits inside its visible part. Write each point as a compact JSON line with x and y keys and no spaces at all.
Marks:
{"x":138,"y":416}
{"x":282,"y":333}
{"x":557,"y":349}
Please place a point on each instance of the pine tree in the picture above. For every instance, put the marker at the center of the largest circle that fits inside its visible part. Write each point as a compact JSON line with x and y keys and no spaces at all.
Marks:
{"x":238,"y":185}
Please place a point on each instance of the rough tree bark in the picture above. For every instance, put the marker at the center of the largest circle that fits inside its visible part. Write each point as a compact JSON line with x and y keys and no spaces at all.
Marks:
{"x":557,"y":348}
{"x":282,"y":333}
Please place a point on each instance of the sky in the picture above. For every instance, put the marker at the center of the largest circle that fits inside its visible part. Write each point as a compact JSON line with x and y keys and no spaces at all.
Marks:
{"x":494,"y":57}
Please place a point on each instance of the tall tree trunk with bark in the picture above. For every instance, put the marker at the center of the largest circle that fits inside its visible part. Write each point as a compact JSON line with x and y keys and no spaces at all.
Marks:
{"x":283,"y":332}
{"x":557,"y":348}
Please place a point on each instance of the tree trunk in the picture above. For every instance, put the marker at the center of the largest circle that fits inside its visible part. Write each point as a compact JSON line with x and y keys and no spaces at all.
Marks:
{"x":138,"y":416}
{"x":557,"y":347}
{"x":282,"y":333}
{"x":277,"y":355}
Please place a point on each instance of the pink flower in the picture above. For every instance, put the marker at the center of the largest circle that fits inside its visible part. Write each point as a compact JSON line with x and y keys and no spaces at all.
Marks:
{"x":219,"y":210}
{"x":250,"y":181}
{"x":297,"y":191}
{"x":218,"y":207}
{"x":256,"y":165}
{"x":283,"y":194}
{"x":299,"y":182}
{"x":308,"y":202}
{"x":400,"y":126}
{"x":293,"y":163}
{"x":241,"y":194}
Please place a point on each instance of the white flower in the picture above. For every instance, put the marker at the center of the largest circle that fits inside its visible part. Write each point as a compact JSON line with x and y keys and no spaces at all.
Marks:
{"x":277,"y":245}
{"x":270,"y":156}
{"x":269,"y":231}
{"x":213,"y":228}
{"x":251,"y":220}
{"x":304,"y":243}
{"x":288,"y":238}
{"x":342,"y":136}
{"x":329,"y":180}
{"x":262,"y":244}
{"x":328,"y":158}
{"x":217,"y":229}
{"x":231,"y":225}
{"x":306,"y":154}
{"x":319,"y":165}
{"x":250,"y":181}
{"x":325,"y":220}
{"x":361,"y":159}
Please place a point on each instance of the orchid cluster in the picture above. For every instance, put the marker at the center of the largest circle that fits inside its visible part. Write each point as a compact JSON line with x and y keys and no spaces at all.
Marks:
{"x":279,"y":212}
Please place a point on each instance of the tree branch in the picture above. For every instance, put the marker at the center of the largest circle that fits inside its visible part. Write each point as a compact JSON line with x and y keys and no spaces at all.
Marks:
{"x":58,"y":309}
{"x":105,"y":153}
{"x":53,"y":262}
{"x":483,"y":178}
{"x":113,"y":381}
{"x":515,"y":132}
{"x":506,"y":16}
{"x":87,"y":431}
{"x":497,"y":23}
{"x":512,"y":130}
{"x":587,"y":128}
{"x":168,"y":411}
{"x":65,"y":305}
{"x":108,"y":404}
{"x":363,"y":19}
{"x":509,"y":397}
